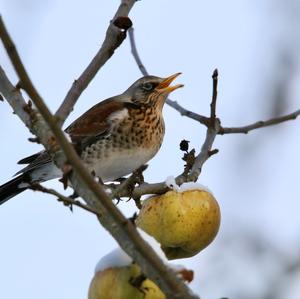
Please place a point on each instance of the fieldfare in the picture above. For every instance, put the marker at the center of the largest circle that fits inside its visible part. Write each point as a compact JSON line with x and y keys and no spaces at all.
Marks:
{"x":113,"y":138}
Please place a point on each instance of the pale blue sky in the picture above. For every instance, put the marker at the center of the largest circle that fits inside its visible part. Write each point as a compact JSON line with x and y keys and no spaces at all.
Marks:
{"x":48,"y":252}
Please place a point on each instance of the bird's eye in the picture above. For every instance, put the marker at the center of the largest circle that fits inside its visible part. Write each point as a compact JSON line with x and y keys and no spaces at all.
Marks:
{"x":148,"y":86}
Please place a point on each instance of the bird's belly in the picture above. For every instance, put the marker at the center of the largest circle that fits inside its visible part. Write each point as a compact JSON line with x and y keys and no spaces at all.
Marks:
{"x":119,"y":163}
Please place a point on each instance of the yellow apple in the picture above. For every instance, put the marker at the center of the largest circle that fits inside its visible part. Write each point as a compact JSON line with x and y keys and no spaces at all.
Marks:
{"x":182,"y":222}
{"x":115,"y":283}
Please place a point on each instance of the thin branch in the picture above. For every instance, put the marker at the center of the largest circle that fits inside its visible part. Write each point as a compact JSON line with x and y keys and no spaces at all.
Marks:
{"x":204,"y":154}
{"x":65,"y":199}
{"x":146,"y":188}
{"x":184,"y":112}
{"x":211,"y":133}
{"x":115,"y":34}
{"x":259,"y":124}
{"x":190,"y":114}
{"x":135,"y":53}
{"x":213,"y":103}
{"x":85,"y":186}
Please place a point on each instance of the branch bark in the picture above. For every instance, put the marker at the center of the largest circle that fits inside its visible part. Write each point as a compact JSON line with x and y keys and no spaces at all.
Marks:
{"x":45,"y":126}
{"x":66,"y":200}
{"x":211,"y":133}
{"x":259,"y":124}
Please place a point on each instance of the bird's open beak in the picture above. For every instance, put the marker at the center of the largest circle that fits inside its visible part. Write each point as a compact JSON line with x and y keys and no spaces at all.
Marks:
{"x":164,"y":86}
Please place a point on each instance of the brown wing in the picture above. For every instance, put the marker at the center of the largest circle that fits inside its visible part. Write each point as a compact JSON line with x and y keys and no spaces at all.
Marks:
{"x":82,"y":131}
{"x":93,"y":123}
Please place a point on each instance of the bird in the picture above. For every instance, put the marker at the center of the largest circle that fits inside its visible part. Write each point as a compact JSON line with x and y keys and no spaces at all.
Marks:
{"x":113,"y":138}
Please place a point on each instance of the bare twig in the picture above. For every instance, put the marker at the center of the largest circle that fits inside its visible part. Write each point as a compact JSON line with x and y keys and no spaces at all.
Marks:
{"x":259,"y":124}
{"x":204,"y":154}
{"x":211,"y":133}
{"x":135,"y":53}
{"x":65,"y":199}
{"x":93,"y":194}
{"x":190,"y":114}
{"x":184,"y":112}
{"x":213,"y":103}
{"x":115,"y":34}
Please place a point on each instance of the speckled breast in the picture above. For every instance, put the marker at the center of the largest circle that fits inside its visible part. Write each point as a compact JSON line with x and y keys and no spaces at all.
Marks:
{"x":131,"y":143}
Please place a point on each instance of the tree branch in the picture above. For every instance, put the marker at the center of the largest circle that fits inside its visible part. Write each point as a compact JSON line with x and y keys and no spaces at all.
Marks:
{"x":135,"y":53}
{"x":213,"y":103}
{"x":65,"y":199}
{"x":204,"y":154}
{"x":115,"y":34}
{"x":86,"y":187}
{"x":259,"y":124}
{"x":211,"y":133}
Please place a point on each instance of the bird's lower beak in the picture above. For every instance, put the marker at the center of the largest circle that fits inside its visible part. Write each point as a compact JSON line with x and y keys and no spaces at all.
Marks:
{"x":164,"y":86}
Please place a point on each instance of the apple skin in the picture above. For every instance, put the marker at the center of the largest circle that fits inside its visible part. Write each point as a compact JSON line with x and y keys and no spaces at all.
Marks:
{"x":114,"y":283}
{"x":183,"y":223}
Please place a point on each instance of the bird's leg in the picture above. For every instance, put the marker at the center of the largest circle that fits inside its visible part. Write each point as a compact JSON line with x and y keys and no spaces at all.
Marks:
{"x":67,"y":170}
{"x":128,"y":185}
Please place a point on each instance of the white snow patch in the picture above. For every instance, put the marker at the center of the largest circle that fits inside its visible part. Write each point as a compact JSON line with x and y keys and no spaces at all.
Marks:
{"x":68,"y":137}
{"x":116,"y":258}
{"x":154,"y":244}
{"x":194,"y":186}
{"x":171,"y":183}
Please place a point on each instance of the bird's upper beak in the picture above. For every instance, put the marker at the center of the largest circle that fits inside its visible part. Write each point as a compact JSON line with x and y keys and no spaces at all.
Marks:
{"x":164,"y":86}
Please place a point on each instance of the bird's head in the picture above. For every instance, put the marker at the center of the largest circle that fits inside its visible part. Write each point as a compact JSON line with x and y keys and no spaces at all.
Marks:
{"x":151,"y":90}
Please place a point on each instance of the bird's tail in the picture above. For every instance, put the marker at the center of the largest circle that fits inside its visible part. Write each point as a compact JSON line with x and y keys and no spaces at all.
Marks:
{"x":12,"y":188}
